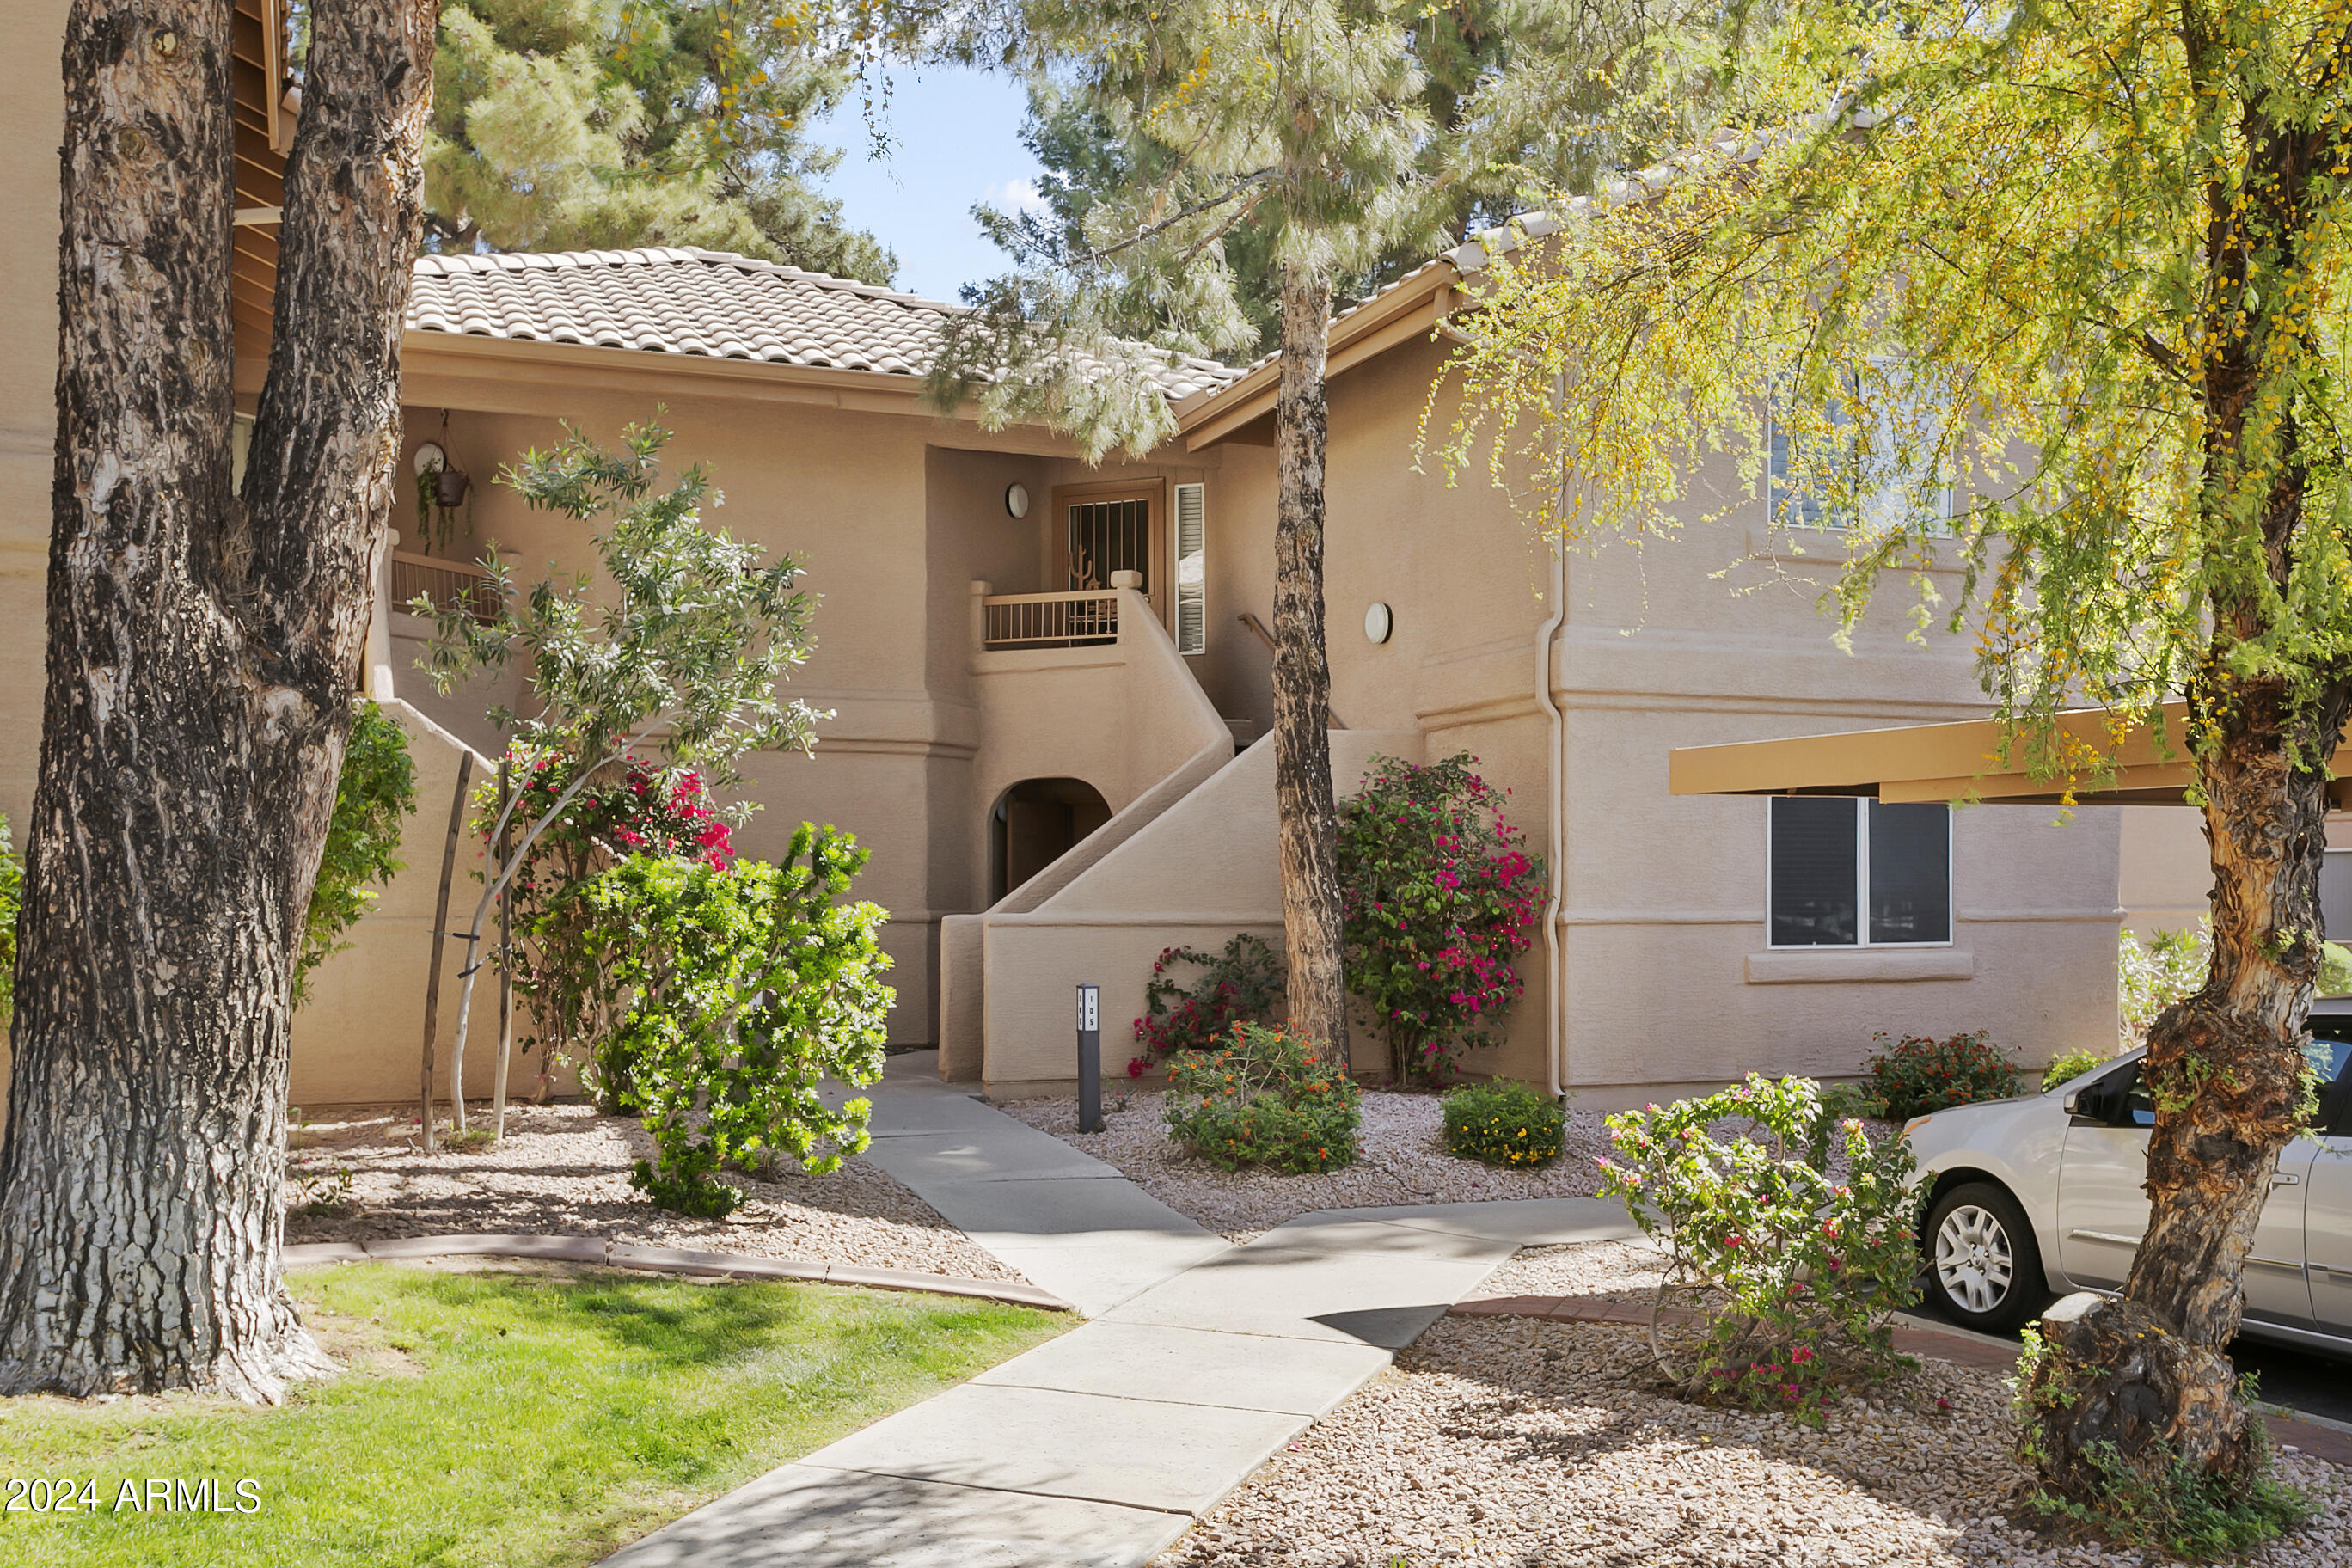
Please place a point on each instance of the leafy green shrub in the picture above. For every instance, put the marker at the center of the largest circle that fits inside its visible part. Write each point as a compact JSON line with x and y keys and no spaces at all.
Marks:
{"x":1439,"y":895}
{"x":12,"y":898}
{"x":1267,"y":1099}
{"x":376,"y":791}
{"x":1793,"y":1274}
{"x":1917,"y":1074}
{"x":745,"y":988}
{"x":2068,"y":1065}
{"x":1243,"y":985}
{"x":2152,"y":975}
{"x":2157,"y":1500}
{"x":1503,"y":1124}
{"x":634,"y":806}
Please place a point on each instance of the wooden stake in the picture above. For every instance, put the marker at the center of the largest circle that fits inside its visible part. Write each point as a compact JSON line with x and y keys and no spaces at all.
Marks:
{"x":506,"y":957}
{"x":440,"y":930}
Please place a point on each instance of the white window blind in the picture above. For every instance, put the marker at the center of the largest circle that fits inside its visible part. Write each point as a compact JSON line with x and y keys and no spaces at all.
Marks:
{"x":1192,"y":569}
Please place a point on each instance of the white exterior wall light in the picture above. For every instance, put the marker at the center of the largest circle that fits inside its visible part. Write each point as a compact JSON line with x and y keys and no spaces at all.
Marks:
{"x":1378,"y":623}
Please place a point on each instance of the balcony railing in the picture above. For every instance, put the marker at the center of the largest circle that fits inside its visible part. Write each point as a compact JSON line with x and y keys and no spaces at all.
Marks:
{"x":449,"y":585}
{"x":1050,"y":620}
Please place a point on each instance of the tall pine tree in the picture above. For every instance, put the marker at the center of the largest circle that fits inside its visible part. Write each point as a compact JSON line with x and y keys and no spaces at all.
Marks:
{"x":1516,"y":95}
{"x":1233,"y":157}
{"x":577,"y":124}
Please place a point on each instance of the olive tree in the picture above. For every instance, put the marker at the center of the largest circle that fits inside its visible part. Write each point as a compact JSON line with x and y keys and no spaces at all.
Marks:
{"x":681,"y":649}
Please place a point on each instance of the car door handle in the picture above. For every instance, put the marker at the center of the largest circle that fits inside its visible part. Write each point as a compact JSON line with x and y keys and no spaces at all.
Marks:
{"x":2286,"y":1181}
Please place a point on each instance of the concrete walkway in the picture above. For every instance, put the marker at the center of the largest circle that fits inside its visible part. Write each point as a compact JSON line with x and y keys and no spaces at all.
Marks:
{"x":1097,"y":1448}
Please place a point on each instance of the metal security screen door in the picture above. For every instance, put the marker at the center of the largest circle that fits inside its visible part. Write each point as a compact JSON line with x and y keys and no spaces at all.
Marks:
{"x":1108,"y":527}
{"x":1107,"y":536}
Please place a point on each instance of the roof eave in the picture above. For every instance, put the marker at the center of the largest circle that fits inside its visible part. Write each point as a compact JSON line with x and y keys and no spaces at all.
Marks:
{"x":1412,"y":310}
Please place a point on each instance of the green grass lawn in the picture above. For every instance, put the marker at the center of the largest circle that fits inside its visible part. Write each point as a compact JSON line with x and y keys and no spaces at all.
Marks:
{"x":495,"y":1417}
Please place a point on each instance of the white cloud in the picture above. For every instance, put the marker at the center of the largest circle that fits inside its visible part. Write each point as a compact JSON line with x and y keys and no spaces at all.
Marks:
{"x":1017,"y":196}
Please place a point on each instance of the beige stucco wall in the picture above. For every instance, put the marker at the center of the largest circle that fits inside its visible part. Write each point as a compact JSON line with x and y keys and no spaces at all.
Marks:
{"x":1203,"y":871}
{"x":897,"y":512}
{"x":894,"y":513}
{"x":1713,"y":635}
{"x":360,"y":1038}
{"x":32,"y":107}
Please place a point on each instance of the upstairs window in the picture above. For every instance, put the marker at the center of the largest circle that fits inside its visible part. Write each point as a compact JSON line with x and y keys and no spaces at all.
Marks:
{"x":1865,"y":461}
{"x":1856,"y":873}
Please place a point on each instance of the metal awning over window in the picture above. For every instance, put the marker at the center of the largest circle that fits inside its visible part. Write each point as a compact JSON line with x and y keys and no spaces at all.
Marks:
{"x":1953,"y":762}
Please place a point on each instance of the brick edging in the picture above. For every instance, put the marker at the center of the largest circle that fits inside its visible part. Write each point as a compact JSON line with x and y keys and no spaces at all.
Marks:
{"x":597,"y":1251}
{"x":1968,"y":1350}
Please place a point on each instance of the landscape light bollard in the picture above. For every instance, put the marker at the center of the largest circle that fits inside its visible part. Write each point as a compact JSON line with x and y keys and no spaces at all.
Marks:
{"x":1090,"y":1058}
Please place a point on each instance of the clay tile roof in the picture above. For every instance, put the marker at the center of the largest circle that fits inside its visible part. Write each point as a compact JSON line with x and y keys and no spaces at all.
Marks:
{"x":710,"y":303}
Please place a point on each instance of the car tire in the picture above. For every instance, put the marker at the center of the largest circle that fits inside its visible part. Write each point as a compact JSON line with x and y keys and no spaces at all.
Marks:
{"x":1984,"y":1268}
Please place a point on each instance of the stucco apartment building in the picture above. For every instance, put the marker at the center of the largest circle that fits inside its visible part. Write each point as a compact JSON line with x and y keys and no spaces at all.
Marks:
{"x":1050,"y":681}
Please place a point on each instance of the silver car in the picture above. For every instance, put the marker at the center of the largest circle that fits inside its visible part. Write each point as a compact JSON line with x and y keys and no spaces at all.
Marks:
{"x":2043,"y":1193}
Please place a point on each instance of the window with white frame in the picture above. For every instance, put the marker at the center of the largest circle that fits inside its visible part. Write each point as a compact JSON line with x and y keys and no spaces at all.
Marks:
{"x":1859,"y":873}
{"x":1831,"y":468}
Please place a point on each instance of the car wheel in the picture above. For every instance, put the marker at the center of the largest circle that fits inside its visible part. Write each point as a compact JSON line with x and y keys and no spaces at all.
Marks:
{"x":1983,"y":1265}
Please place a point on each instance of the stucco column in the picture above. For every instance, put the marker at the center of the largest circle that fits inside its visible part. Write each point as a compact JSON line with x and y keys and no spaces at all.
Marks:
{"x":378,"y":636}
{"x":979,"y":592}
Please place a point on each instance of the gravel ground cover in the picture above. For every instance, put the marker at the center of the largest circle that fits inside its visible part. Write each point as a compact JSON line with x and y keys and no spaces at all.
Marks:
{"x":1404,"y":1161}
{"x":1619,"y":1270}
{"x":1508,"y":1441}
{"x":563,"y":1170}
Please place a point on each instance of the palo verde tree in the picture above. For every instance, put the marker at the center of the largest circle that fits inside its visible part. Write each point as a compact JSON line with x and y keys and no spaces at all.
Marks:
{"x":2086,"y":265}
{"x":680,"y":650}
{"x":203,"y":642}
{"x":1308,"y":127}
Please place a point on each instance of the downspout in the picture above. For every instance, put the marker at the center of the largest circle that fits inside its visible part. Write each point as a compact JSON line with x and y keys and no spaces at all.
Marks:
{"x":1554,"y":984}
{"x":1555,"y":990}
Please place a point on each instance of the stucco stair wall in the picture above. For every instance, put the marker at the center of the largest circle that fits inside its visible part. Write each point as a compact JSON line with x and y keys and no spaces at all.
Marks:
{"x":359,"y":1039}
{"x":1203,"y":870}
{"x":1131,"y":719}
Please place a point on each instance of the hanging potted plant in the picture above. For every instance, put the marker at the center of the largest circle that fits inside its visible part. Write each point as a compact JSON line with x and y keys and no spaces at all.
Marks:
{"x":442,"y":488}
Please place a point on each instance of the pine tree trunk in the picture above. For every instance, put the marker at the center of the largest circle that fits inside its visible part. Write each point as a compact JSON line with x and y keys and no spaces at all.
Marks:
{"x":1307,"y":817}
{"x":203,"y":654}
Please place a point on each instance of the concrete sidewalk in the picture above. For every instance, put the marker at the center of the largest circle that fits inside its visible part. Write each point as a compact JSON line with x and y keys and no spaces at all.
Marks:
{"x":1069,"y":1223}
{"x":1101,"y":1446}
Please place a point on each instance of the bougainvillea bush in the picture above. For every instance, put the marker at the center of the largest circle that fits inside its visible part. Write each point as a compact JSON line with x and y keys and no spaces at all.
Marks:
{"x":635,"y":807}
{"x":1503,"y":1124}
{"x":1917,"y":1074}
{"x":1268,"y":1098}
{"x":740,"y":988}
{"x":1793,"y":1275}
{"x":1194,"y":998}
{"x":1440,"y":896}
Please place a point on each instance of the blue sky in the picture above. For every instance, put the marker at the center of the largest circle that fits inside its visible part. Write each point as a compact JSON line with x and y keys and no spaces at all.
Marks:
{"x":956,"y":139}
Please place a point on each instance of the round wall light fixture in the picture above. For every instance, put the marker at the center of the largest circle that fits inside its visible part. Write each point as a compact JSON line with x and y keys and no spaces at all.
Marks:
{"x":1378,"y":623}
{"x":430,"y":458}
{"x":1017,"y":500}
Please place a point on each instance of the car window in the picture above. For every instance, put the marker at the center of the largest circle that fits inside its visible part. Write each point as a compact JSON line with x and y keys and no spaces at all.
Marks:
{"x":2138,"y":1108}
{"x":2121,"y":1100}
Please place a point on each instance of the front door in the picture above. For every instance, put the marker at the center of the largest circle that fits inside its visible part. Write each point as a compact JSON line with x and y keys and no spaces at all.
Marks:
{"x":1114,"y":528}
{"x":2103,"y":1204}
